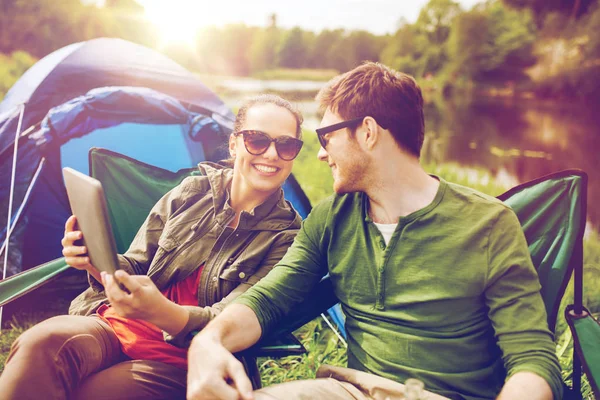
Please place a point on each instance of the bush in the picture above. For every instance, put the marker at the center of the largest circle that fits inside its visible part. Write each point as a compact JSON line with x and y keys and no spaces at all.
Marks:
{"x":12,"y":67}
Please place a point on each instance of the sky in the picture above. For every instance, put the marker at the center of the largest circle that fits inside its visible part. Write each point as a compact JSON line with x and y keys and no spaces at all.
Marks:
{"x":377,"y":16}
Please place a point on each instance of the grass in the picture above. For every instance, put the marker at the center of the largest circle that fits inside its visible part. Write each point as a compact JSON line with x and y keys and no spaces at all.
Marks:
{"x":7,"y":337}
{"x":322,"y":345}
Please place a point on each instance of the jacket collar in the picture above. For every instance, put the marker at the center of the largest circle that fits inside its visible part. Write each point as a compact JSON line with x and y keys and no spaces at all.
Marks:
{"x":275,"y":213}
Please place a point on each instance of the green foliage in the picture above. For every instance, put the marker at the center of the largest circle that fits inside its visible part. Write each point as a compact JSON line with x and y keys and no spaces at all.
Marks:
{"x":363,"y":46}
{"x":435,"y":20}
{"x":322,"y":50}
{"x":8,"y":336}
{"x":12,"y":67}
{"x":398,"y":53}
{"x":492,"y":43}
{"x":541,"y":8}
{"x":41,"y":26}
{"x":293,"y":50}
{"x":263,"y":51}
{"x":421,"y":49}
{"x":569,"y":67}
{"x":315,"y":175}
{"x":323,"y":347}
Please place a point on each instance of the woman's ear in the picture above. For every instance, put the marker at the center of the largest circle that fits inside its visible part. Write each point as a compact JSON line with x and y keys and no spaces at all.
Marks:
{"x":232,"y":147}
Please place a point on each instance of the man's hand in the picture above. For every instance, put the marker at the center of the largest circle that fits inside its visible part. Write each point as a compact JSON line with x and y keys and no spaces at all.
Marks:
{"x":144,"y":301}
{"x":214,"y":373}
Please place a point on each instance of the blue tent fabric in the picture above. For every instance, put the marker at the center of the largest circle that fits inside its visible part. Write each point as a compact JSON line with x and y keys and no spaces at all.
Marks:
{"x":120,"y":94}
{"x":96,"y":110}
{"x":75,"y":69}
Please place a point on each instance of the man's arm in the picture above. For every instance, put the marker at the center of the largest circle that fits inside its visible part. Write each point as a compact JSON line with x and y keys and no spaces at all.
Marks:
{"x":518,"y":315}
{"x":213,"y":372}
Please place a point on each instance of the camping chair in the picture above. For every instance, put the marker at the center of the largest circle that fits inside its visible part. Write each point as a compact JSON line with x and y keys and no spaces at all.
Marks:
{"x":552,"y":212}
{"x":132,"y":188}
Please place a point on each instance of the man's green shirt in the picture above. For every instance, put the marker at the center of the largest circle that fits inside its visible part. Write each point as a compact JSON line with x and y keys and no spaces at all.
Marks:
{"x":452,"y":300}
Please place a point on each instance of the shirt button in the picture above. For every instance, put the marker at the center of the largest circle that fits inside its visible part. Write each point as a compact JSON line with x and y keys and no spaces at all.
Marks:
{"x":214,"y":278}
{"x":381,"y":245}
{"x":242,"y":275}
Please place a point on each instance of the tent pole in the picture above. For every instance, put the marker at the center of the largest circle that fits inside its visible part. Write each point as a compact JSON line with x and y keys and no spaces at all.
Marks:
{"x":25,"y":199}
{"x":12,"y":193}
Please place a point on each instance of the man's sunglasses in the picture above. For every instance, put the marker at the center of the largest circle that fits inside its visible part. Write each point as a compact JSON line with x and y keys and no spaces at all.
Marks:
{"x":321,"y":132}
{"x":257,"y":143}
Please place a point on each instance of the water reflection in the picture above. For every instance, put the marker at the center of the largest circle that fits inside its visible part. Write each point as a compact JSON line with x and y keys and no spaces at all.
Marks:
{"x":516,"y":140}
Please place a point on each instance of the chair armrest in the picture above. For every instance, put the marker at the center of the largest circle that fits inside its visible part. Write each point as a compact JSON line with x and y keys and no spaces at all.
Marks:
{"x":24,"y":282}
{"x":586,"y":338}
{"x":284,"y":345}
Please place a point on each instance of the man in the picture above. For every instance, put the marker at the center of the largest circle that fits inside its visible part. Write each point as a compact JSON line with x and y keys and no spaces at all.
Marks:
{"x":435,"y":279}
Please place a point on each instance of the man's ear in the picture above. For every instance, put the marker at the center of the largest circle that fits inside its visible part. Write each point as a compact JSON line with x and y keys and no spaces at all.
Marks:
{"x":372,"y":132}
{"x":232,"y":147}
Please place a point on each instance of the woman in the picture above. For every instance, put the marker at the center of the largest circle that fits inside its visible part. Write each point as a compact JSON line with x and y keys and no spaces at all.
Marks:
{"x":204,"y":243}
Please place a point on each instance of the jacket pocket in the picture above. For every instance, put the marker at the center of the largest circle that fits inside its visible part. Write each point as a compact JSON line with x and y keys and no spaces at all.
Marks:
{"x":167,"y":242}
{"x":237,"y":272}
{"x":166,"y":245}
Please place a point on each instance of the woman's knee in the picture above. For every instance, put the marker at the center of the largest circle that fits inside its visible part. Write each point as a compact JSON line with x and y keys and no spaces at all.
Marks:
{"x":49,"y":337}
{"x":134,"y":380}
{"x":46,"y":337}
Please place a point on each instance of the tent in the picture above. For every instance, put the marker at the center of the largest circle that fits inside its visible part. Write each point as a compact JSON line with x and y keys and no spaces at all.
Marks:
{"x":106,"y":93}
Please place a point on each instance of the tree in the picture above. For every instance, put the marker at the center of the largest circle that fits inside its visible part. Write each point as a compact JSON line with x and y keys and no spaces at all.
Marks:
{"x":421,"y":48}
{"x":492,"y":42}
{"x":42,"y":26}
{"x":435,"y":20}
{"x":263,"y":50}
{"x":321,"y":52}
{"x":541,"y":8}
{"x":12,"y":67}
{"x":400,"y":50}
{"x":293,"y":51}
{"x":364,"y":46}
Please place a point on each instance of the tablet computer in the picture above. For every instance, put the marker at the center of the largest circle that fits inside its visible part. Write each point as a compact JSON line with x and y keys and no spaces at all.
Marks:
{"x":88,"y":204}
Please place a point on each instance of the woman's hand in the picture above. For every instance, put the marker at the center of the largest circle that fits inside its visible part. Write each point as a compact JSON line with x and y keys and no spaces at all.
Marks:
{"x":76,"y":256}
{"x":144,"y":301}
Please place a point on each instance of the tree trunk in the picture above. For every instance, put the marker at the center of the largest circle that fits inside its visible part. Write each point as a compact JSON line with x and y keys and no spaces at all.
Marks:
{"x":575,"y":10}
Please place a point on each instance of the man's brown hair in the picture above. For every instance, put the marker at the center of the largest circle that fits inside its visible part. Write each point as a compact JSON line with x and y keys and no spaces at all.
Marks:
{"x":392,"y":98}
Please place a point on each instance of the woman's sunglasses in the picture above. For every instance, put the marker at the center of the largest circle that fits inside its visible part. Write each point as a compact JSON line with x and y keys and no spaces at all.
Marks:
{"x":258,"y":143}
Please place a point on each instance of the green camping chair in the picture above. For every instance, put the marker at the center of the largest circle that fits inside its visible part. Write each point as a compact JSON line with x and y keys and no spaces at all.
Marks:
{"x":551,"y":209}
{"x":132,"y":188}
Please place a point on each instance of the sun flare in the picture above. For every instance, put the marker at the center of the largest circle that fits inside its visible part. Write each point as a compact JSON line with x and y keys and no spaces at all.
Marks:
{"x":178,"y":21}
